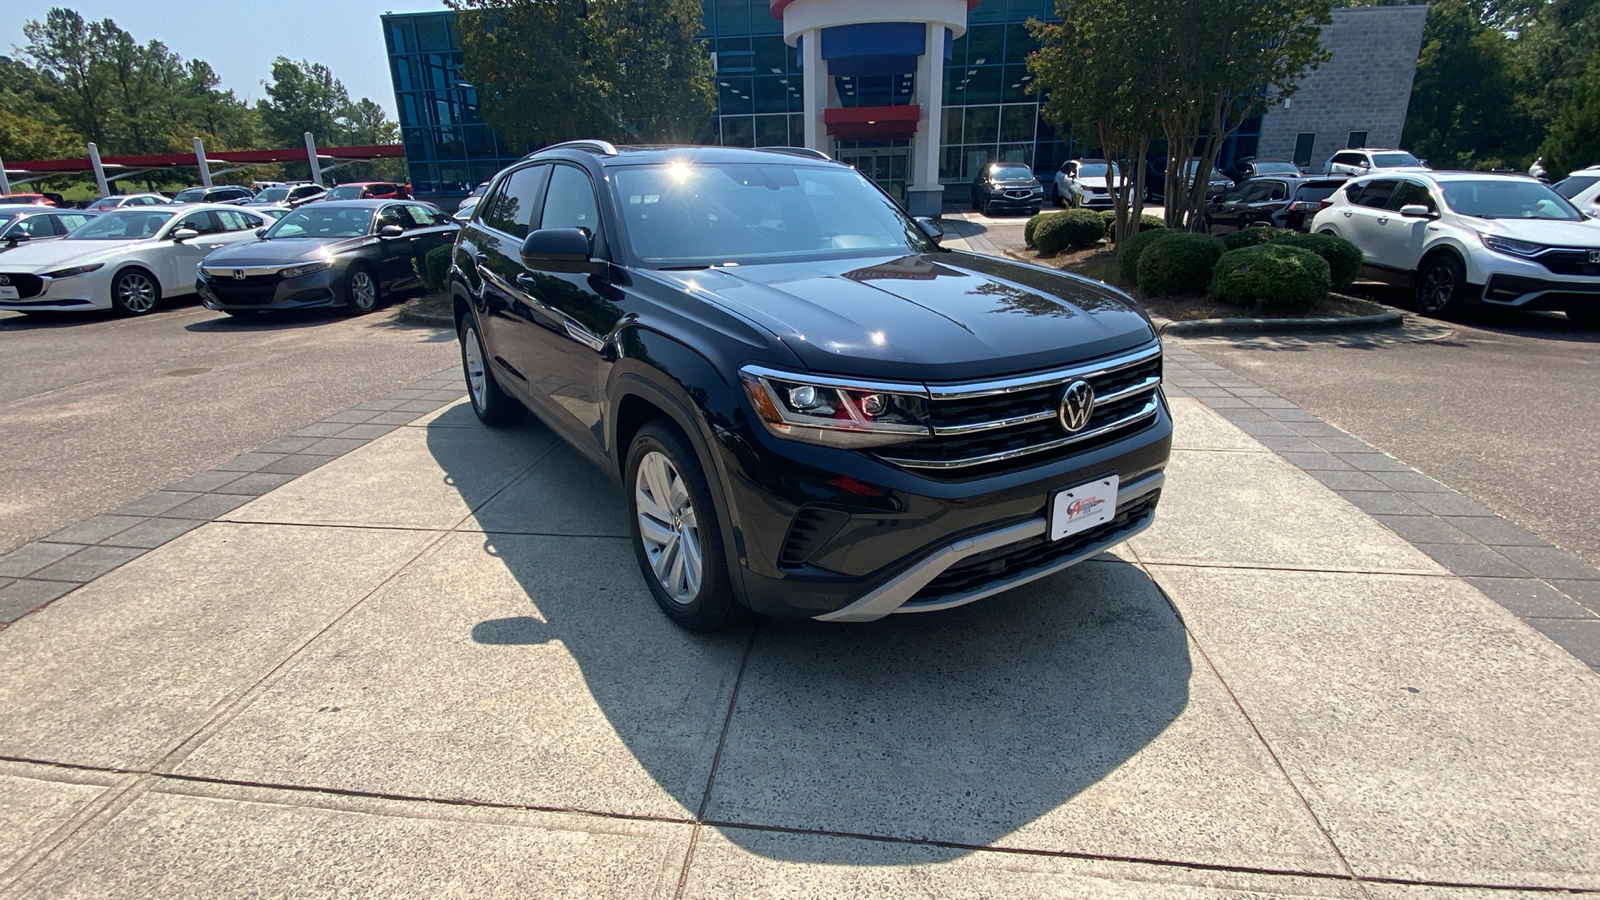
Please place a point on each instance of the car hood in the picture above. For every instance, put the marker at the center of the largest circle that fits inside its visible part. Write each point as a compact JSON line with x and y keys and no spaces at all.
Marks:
{"x":283,"y":251}
{"x":1016,"y":185}
{"x":47,"y":256}
{"x":930,"y":317}
{"x":1555,"y":234}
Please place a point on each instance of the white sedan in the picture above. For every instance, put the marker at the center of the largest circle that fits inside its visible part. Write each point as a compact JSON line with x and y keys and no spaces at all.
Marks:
{"x":125,"y":259}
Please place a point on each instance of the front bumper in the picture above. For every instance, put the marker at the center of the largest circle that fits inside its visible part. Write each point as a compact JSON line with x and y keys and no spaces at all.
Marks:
{"x":262,"y":291}
{"x":843,"y":536}
{"x":1001,"y":201}
{"x":1535,"y":293}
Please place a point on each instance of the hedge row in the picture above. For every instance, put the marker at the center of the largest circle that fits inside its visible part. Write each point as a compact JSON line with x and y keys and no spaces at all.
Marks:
{"x":1272,"y":275}
{"x":1081,"y":230}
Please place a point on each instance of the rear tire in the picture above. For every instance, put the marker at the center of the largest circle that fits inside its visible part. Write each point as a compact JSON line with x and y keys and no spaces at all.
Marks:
{"x":675,"y":533}
{"x":1441,"y":286}
{"x":492,"y":405}
{"x":135,"y":292}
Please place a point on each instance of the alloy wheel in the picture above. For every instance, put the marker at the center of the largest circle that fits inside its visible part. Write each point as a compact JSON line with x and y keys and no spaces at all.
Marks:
{"x":136,"y":292}
{"x":1438,"y":286}
{"x":363,"y":293}
{"x":476,"y":379}
{"x":668,"y":528}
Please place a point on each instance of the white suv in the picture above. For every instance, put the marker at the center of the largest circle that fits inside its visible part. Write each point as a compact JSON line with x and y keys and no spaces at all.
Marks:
{"x":1365,"y":162}
{"x":1463,"y":237}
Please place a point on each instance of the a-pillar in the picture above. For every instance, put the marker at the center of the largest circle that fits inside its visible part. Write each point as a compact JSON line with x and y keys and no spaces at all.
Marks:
{"x":814,"y":86}
{"x":925,"y":197}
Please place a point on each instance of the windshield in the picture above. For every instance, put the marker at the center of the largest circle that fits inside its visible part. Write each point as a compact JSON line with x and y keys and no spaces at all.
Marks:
{"x":1508,"y":199}
{"x":7,"y":216}
{"x":1575,"y":185}
{"x":192,"y":195}
{"x":1011,"y":173}
{"x":322,"y":222}
{"x":122,"y":225}
{"x":345,"y":192}
{"x":1394,"y":160}
{"x":108,"y":201}
{"x":1093,"y":170}
{"x":699,"y":215}
{"x":1276,"y":168}
{"x":273,"y":195}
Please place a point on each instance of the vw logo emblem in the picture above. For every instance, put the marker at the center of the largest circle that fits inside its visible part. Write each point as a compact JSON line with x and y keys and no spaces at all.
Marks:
{"x":1077,"y":406}
{"x":1594,"y":257}
{"x":239,"y":274}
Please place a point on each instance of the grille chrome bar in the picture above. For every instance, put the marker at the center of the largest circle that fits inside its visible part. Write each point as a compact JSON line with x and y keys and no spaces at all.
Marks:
{"x":1044,"y":379}
{"x":1148,"y":384}
{"x":1144,"y":412}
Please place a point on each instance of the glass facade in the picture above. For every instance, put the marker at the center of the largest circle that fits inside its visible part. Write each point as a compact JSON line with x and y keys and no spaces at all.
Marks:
{"x":449,"y":149}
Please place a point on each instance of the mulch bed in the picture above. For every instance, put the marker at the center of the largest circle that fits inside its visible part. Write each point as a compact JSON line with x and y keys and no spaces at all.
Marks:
{"x":429,"y":305}
{"x":1101,"y":264}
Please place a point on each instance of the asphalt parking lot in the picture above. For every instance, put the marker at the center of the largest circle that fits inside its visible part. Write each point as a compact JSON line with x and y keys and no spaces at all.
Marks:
{"x":96,"y":410}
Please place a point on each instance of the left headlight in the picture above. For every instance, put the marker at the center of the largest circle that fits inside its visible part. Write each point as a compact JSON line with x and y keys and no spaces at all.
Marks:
{"x":837,"y":412}
{"x":1510,"y":246}
{"x":306,"y":269}
{"x":75,"y":270}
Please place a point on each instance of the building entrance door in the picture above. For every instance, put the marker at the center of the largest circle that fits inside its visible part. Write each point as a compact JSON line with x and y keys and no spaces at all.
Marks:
{"x":889,"y":167}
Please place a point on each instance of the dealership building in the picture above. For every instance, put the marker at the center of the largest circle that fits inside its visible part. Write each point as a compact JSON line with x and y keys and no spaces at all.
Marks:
{"x":917,"y":94}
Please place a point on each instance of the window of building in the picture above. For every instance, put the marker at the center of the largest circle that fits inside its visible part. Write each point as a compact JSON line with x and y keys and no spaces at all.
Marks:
{"x":1358,"y":139}
{"x":1304,"y":144}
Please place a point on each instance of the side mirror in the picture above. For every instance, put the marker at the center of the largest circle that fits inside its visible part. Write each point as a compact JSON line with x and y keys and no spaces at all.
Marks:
{"x":184,"y":234}
{"x":261,"y":233}
{"x":391,"y":231}
{"x":930,"y":228}
{"x":1415,"y":211}
{"x":17,"y":237}
{"x":558,"y":250}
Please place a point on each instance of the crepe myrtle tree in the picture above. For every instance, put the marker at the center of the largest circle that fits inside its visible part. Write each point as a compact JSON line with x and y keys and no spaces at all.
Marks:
{"x":1216,"y":64}
{"x":553,"y":70}
{"x":1090,"y":67}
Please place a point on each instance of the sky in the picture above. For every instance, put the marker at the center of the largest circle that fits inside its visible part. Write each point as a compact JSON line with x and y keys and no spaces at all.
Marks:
{"x":241,"y":38}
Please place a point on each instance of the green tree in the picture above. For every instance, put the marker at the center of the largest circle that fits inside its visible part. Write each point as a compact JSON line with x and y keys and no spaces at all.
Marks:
{"x":551,"y":70}
{"x":29,"y":128}
{"x":1573,"y":140}
{"x":1467,"y":100}
{"x":302,"y":96}
{"x":66,"y":49}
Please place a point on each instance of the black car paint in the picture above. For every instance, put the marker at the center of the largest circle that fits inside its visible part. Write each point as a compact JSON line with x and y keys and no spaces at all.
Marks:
{"x":989,"y":193}
{"x":1224,"y":215}
{"x":394,"y":262}
{"x":597,"y":352}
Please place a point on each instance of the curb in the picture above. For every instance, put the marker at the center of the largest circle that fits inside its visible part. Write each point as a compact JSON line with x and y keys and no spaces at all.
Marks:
{"x":416,"y":318}
{"x":1208,"y":327}
{"x":1205,"y":327}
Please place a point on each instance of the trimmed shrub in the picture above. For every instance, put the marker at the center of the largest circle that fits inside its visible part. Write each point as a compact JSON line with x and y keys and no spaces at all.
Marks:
{"x":1129,"y":250}
{"x":1251,"y":237}
{"x":1271,"y":276}
{"x":1029,"y":229}
{"x":436,"y":268}
{"x":1344,"y":258}
{"x":1145,"y":222}
{"x":1178,"y":263}
{"x":1072,"y":229}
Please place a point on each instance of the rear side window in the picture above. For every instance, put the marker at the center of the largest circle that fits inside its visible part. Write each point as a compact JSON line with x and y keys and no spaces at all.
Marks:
{"x":202,"y":221}
{"x":1278,"y":191}
{"x":237,"y":221}
{"x":515,"y":202}
{"x":69,"y":222}
{"x":1348,"y":159}
{"x":1374,"y":193}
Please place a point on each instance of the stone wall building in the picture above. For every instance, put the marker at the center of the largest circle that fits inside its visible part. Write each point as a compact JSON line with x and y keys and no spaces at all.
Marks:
{"x":1359,"y":97}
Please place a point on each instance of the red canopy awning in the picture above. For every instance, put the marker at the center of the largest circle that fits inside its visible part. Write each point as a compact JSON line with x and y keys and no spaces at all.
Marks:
{"x":872,"y":123}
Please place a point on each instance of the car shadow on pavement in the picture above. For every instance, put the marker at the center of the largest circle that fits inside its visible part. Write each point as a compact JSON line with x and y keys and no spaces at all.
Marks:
{"x":1553,"y":326}
{"x":961,"y":727}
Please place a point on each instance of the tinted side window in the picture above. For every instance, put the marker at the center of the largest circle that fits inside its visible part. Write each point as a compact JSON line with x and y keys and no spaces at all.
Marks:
{"x":34,"y":227}
{"x":394,"y":215}
{"x":1375,"y":194}
{"x":1279,"y":191}
{"x":1348,"y":159}
{"x":70,"y":222}
{"x":235,"y":221}
{"x":571,"y":204}
{"x":202,"y":221}
{"x":1412,"y":192}
{"x":515,"y":202}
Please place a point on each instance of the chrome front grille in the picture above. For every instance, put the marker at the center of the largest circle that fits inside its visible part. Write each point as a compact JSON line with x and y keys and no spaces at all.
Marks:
{"x":1014,"y":421}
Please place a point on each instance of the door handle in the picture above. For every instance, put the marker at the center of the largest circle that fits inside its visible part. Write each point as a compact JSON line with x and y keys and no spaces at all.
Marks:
{"x":1347,"y":214}
{"x":1383,"y":220}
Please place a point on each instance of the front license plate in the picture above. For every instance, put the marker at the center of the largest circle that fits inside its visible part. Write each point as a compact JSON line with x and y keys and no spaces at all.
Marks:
{"x":9,"y":293}
{"x":1083,"y":507}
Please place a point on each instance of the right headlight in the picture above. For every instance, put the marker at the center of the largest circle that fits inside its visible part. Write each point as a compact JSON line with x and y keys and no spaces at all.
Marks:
{"x":837,"y":412}
{"x":307,"y":269}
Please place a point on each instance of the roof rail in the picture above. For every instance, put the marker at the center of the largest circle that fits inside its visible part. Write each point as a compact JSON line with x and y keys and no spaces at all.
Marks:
{"x":604,"y":148}
{"x":800,"y":151}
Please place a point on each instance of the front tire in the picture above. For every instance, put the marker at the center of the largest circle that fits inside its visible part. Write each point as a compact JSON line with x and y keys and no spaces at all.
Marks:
{"x":135,"y":292}
{"x":492,"y":405}
{"x":675,"y":533}
{"x":1441,"y":285}
{"x":360,"y":291}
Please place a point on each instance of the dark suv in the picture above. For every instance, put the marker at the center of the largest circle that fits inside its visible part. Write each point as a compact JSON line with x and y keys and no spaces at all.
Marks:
{"x":814,"y":409}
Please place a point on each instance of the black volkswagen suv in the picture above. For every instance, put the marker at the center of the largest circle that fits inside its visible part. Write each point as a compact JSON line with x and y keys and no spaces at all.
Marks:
{"x":815,"y":410}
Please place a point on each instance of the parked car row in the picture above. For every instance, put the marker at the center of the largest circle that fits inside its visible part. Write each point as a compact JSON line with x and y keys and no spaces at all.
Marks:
{"x":350,"y":254}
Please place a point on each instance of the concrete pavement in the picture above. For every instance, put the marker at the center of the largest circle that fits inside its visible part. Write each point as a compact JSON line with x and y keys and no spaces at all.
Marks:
{"x":426,"y":666}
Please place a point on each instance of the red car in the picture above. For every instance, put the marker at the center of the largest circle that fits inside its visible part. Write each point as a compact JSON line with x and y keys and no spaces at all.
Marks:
{"x":31,"y":199}
{"x":369,"y":190}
